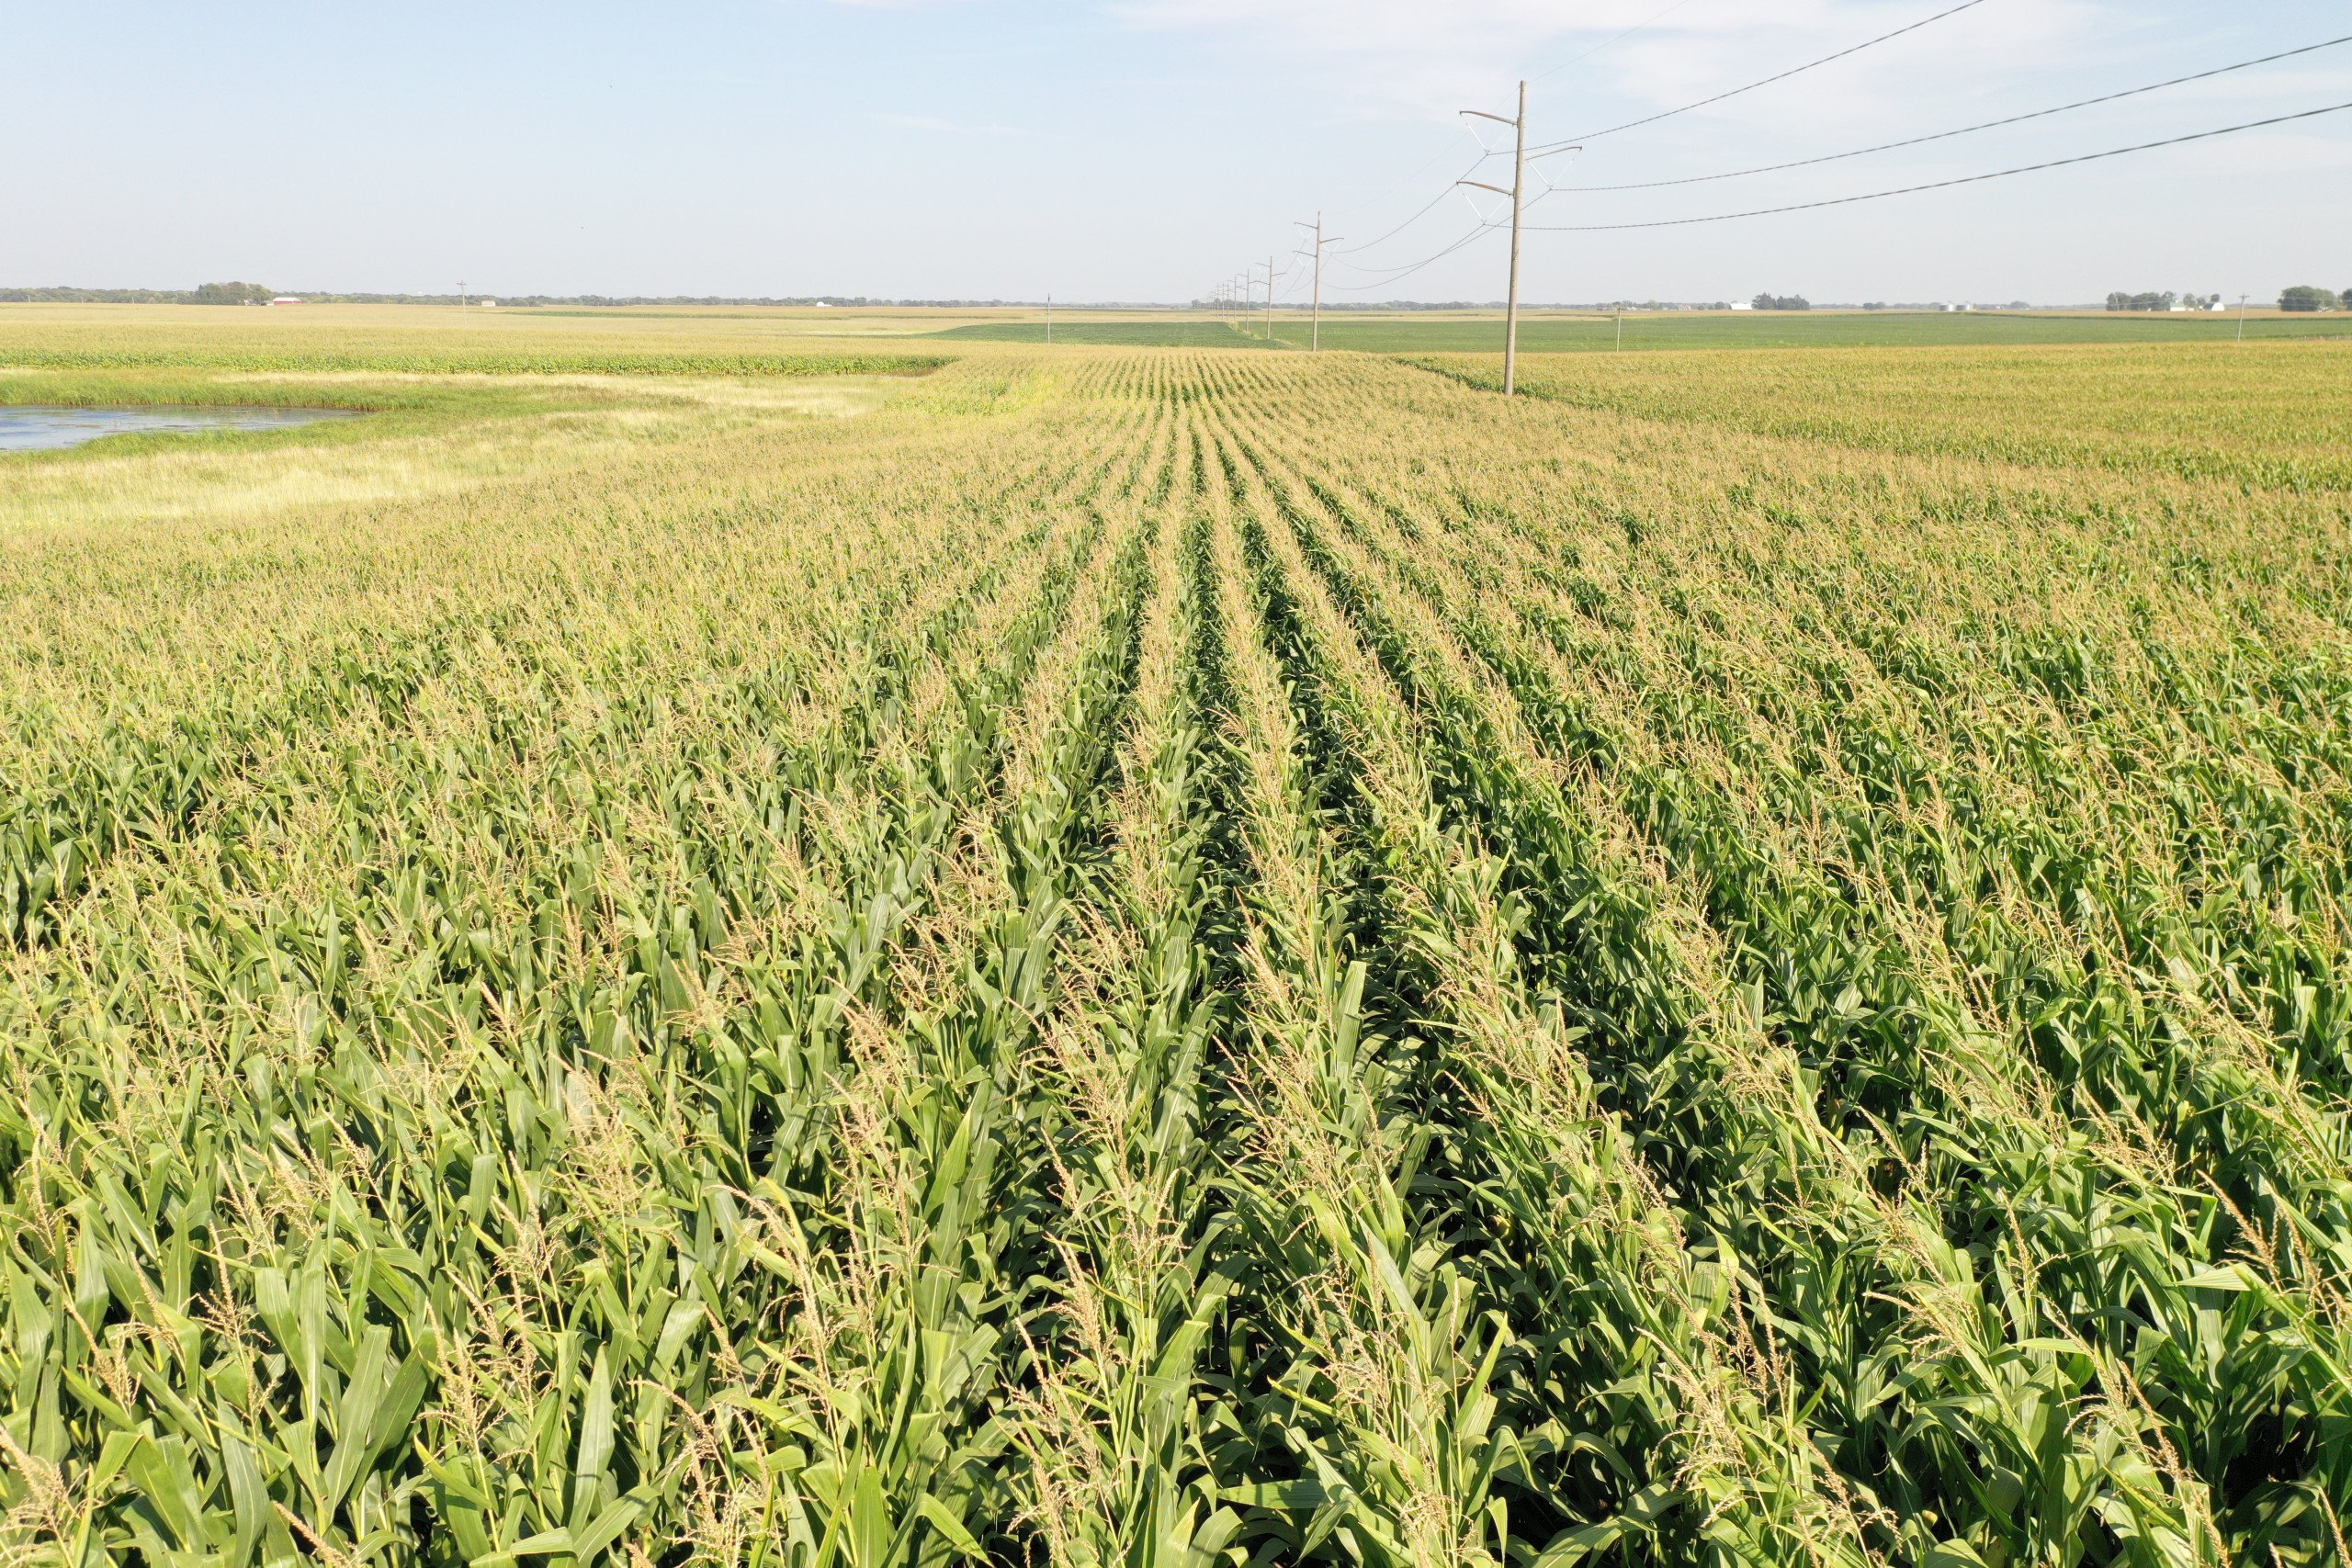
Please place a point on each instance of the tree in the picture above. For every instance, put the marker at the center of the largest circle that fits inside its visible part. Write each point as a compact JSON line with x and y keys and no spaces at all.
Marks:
{"x":1783,"y":302}
{"x":2347,"y":298}
{"x":232,"y":294}
{"x":2303,"y":296}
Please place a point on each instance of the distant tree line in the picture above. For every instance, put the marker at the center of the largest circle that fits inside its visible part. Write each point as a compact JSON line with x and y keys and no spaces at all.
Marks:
{"x":2164,"y":301}
{"x":209,"y":294}
{"x":203,"y":294}
{"x":2305,"y":297}
{"x":1782,"y":302}
{"x":256,"y":294}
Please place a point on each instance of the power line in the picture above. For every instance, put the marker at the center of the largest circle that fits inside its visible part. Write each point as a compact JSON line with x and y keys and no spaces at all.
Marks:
{"x":1434,"y":202}
{"x":1479,"y":228}
{"x":1486,"y":153}
{"x":1404,"y":272}
{"x":1315,"y":341}
{"x":1555,"y":146}
{"x":1796,"y":71}
{"x":1652,"y":20}
{"x":1439,"y":157}
{"x":1943,"y":185}
{"x":1965,"y":129}
{"x":1517,"y":192}
{"x":1605,"y":43}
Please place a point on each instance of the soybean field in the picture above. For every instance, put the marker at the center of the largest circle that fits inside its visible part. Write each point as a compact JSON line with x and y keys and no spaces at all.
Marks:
{"x":677,"y":949}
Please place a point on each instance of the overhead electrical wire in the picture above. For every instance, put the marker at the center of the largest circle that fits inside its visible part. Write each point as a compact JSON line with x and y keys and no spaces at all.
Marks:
{"x":1434,"y":161}
{"x":1406,"y":272}
{"x":1782,"y":76}
{"x":1937,"y":185}
{"x":1398,"y":274}
{"x":1390,"y":276}
{"x":1651,"y":21}
{"x":1434,"y":203}
{"x":1481,"y":227}
{"x":1965,"y":129}
{"x":1486,"y":153}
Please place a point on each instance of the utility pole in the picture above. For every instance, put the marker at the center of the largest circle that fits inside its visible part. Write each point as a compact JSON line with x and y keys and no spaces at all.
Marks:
{"x":1517,"y":207}
{"x":1269,"y":298}
{"x":1518,"y":187}
{"x":2242,"y":299}
{"x":461,"y":293}
{"x":1315,"y":338}
{"x":1049,"y":319}
{"x":1620,"y":331}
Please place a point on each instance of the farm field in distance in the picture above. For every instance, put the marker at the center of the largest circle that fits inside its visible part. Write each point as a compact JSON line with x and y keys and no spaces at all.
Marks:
{"x":816,"y":939}
{"x":1481,"y":332}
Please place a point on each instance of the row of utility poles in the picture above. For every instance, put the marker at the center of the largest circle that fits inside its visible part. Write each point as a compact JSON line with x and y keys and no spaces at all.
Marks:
{"x":1517,"y":192}
{"x":1238,"y":295}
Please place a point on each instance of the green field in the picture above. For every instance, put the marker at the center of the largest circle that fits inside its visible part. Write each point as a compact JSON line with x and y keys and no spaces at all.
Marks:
{"x":1483,"y":333}
{"x":1126,"y":955}
{"x":1825,"y":329}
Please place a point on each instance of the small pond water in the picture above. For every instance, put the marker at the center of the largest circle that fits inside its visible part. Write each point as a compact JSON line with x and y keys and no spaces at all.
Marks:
{"x":30,"y":427}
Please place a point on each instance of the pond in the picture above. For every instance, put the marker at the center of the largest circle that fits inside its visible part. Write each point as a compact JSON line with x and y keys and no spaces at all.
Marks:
{"x":30,"y":427}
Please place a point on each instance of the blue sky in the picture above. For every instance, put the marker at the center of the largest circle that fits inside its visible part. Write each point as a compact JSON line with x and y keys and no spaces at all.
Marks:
{"x":1145,"y":149}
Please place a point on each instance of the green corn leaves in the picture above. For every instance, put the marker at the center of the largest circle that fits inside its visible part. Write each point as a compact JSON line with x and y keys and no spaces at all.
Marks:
{"x":1175,"y":961}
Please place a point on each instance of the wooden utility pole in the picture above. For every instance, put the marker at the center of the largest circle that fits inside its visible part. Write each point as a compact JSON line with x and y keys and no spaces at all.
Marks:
{"x":1518,"y":205}
{"x":1269,"y":298}
{"x":1050,"y":319}
{"x":1314,"y":331}
{"x":1315,"y":337}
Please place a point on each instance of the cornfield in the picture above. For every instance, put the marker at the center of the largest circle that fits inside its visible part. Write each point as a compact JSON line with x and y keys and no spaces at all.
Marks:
{"x":1157,"y":957}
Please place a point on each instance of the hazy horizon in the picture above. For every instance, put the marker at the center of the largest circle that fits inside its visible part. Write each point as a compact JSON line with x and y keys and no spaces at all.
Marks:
{"x":1140,"y":151}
